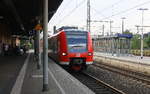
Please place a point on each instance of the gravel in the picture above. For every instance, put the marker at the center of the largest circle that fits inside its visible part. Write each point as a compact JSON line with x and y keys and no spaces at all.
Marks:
{"x":126,"y":84}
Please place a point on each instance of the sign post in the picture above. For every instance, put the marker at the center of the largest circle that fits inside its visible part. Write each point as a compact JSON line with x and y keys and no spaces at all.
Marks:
{"x":38,"y":28}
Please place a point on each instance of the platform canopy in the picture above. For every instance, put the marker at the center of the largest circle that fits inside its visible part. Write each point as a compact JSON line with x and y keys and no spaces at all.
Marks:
{"x":22,"y":15}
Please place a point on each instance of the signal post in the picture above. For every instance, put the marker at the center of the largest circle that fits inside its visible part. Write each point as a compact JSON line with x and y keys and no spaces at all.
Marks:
{"x":38,"y":28}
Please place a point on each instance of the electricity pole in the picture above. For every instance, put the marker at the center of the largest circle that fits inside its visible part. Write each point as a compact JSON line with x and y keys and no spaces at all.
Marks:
{"x":137,"y":26}
{"x":110,"y":27}
{"x":103,"y":30}
{"x":142,"y":9}
{"x":88,"y":16}
{"x":110,"y":22}
{"x":123,"y":24}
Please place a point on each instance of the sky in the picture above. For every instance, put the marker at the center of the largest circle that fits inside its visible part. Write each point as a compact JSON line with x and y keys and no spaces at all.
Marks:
{"x":74,"y":13}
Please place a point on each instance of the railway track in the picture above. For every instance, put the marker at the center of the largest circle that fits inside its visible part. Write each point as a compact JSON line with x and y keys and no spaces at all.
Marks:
{"x":131,"y":74}
{"x":97,"y":86}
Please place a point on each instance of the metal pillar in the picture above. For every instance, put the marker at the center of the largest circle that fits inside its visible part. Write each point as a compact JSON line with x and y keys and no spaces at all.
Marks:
{"x":129,"y":46}
{"x":123,"y":24}
{"x":103,"y":30}
{"x":124,"y":47}
{"x":142,"y":9}
{"x":115,"y":46}
{"x":128,"y":49}
{"x":112,"y":46}
{"x":121,"y":45}
{"x":88,"y":16}
{"x":35,"y":42}
{"x":38,"y":54}
{"x":109,"y":41}
{"x":118,"y":46}
{"x":142,"y":38}
{"x":111,"y":27}
{"x":106,"y":46}
{"x":45,"y":45}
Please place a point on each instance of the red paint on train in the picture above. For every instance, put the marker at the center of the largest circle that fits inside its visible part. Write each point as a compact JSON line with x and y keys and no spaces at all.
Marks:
{"x":71,"y":48}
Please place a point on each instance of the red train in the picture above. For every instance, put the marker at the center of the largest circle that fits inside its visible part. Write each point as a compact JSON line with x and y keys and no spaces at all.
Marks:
{"x":71,"y":47}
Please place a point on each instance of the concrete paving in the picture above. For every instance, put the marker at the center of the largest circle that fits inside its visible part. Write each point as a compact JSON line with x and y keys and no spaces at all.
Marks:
{"x":19,"y":75}
{"x":60,"y":82}
{"x":9,"y":70}
{"x":133,"y":63}
{"x":130,"y":58}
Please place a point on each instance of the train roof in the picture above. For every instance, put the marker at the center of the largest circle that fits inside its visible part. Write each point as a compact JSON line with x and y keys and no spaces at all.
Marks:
{"x":69,"y":31}
{"x":67,"y":27}
{"x":73,"y":30}
{"x":70,"y":28}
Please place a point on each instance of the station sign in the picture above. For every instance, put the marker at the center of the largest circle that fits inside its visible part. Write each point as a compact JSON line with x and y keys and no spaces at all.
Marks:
{"x":124,"y":35}
{"x":38,"y":27}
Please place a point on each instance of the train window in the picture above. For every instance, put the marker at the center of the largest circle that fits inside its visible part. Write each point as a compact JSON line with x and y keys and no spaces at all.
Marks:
{"x":77,"y":42}
{"x":53,"y":46}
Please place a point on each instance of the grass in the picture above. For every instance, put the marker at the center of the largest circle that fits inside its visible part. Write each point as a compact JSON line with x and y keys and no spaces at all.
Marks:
{"x":138,"y":52}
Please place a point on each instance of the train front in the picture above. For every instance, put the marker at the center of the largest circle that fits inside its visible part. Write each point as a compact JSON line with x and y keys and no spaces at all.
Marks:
{"x":79,"y":49}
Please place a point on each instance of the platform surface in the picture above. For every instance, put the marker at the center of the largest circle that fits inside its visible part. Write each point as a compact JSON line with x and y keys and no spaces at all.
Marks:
{"x":130,"y":58}
{"x":30,"y":80}
{"x":10,"y":65}
{"x":132,"y":63}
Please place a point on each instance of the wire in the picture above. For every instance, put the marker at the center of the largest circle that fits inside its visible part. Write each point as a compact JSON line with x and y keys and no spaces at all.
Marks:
{"x":111,"y":5}
{"x":67,"y":4}
{"x":73,"y":10}
{"x":104,"y":9}
{"x":63,"y":8}
{"x":98,"y":12}
{"x":124,"y":11}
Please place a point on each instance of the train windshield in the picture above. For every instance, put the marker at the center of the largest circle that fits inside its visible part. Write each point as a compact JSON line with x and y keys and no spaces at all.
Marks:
{"x":77,"y":42}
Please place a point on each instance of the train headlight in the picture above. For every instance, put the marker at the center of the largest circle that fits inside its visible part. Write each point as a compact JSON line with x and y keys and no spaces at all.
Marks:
{"x":64,"y":54}
{"x":89,"y":53}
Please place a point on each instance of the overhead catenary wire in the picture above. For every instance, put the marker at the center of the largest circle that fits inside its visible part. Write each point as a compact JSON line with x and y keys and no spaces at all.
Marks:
{"x":129,"y":9}
{"x":63,"y":18}
{"x":110,"y":6}
{"x":67,"y":5}
{"x":97,"y":11}
{"x":72,"y":11}
{"x":63,"y":8}
{"x":106,"y":8}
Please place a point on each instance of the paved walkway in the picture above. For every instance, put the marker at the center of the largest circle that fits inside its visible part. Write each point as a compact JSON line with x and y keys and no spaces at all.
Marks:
{"x":9,"y":70}
{"x":131,"y":58}
{"x":30,"y":80}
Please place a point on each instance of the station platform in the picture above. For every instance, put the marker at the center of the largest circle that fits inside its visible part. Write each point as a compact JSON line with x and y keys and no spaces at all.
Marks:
{"x":129,"y":62}
{"x":130,"y":58}
{"x":29,"y":80}
{"x":9,"y":70}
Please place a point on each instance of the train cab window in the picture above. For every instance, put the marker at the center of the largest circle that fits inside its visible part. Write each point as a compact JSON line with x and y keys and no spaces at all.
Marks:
{"x":77,"y":42}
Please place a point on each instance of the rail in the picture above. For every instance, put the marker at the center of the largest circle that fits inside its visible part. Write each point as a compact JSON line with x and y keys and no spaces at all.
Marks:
{"x":96,"y":85}
{"x":132,"y":74}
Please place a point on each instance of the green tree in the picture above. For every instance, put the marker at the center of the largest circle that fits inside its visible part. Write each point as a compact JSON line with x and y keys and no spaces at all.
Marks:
{"x":127,"y":31}
{"x":148,"y":41}
{"x":135,"y":42}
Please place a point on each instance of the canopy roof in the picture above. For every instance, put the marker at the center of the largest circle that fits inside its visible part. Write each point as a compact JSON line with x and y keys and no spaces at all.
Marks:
{"x":22,"y":15}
